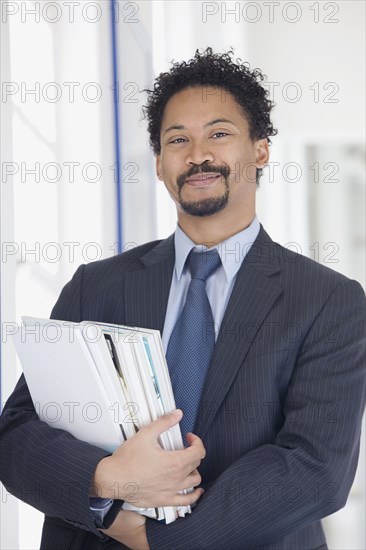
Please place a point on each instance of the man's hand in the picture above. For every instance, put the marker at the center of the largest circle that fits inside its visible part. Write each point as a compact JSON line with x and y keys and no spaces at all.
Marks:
{"x":145,"y":475}
{"x":129,"y":529}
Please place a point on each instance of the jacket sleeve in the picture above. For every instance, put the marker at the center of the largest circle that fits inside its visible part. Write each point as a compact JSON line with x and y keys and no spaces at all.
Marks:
{"x":307,"y":472}
{"x":46,"y":467}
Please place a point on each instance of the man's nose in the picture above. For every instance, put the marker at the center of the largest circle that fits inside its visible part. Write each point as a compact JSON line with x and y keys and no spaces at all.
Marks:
{"x":198,"y":154}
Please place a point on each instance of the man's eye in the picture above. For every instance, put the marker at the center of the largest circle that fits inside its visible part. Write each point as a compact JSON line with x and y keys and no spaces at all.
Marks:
{"x":220,"y":134}
{"x":177,"y":140}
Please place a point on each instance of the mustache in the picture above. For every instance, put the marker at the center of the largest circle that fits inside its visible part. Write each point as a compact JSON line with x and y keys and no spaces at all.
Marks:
{"x":223,"y":169}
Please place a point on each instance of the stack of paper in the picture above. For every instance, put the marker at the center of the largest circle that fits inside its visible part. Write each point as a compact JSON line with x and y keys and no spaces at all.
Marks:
{"x":99,"y":382}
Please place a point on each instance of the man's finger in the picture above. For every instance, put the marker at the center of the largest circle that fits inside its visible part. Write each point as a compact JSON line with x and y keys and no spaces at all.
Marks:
{"x":192,"y":480}
{"x":196,"y":443}
{"x":188,"y":499}
{"x":163,"y":423}
{"x":191,"y":458}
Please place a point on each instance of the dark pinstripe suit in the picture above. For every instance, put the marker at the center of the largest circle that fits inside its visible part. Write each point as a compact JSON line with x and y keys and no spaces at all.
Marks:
{"x":280,"y":415}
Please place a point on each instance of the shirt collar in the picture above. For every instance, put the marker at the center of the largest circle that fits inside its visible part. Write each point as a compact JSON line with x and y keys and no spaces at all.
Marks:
{"x":232,"y":251}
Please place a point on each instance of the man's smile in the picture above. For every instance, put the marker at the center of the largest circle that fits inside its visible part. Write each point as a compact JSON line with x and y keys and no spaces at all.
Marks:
{"x":203,"y":180}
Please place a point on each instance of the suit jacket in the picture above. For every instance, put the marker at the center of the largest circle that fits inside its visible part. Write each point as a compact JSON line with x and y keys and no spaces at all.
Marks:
{"x":280,"y":415}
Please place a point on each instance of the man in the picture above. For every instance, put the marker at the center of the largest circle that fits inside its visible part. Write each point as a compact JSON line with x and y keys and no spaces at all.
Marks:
{"x":277,"y":421}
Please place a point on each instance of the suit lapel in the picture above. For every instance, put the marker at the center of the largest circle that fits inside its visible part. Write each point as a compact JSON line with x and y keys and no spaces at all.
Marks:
{"x":253,"y":296}
{"x":147,"y":289}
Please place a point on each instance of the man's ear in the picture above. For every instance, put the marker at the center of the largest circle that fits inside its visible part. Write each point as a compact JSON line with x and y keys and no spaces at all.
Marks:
{"x":261,"y":153}
{"x":158,"y":167}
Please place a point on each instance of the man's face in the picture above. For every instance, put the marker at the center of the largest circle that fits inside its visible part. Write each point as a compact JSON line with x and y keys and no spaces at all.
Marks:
{"x":207,"y":160}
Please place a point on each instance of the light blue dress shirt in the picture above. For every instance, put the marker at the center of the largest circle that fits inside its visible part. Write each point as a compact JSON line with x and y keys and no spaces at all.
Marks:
{"x":218,"y":287}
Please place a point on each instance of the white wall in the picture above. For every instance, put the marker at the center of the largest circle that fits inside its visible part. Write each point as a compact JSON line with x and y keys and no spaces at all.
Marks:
{"x":52,"y":220}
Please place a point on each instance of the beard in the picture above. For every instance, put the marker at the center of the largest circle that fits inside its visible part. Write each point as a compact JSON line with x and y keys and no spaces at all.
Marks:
{"x":205,"y":207}
{"x":211,"y":205}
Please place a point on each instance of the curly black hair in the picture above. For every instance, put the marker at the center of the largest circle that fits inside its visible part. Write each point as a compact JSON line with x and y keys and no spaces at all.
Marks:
{"x":212,"y":69}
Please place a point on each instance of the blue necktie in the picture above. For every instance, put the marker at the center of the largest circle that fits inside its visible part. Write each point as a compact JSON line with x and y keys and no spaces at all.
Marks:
{"x":192,"y":341}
